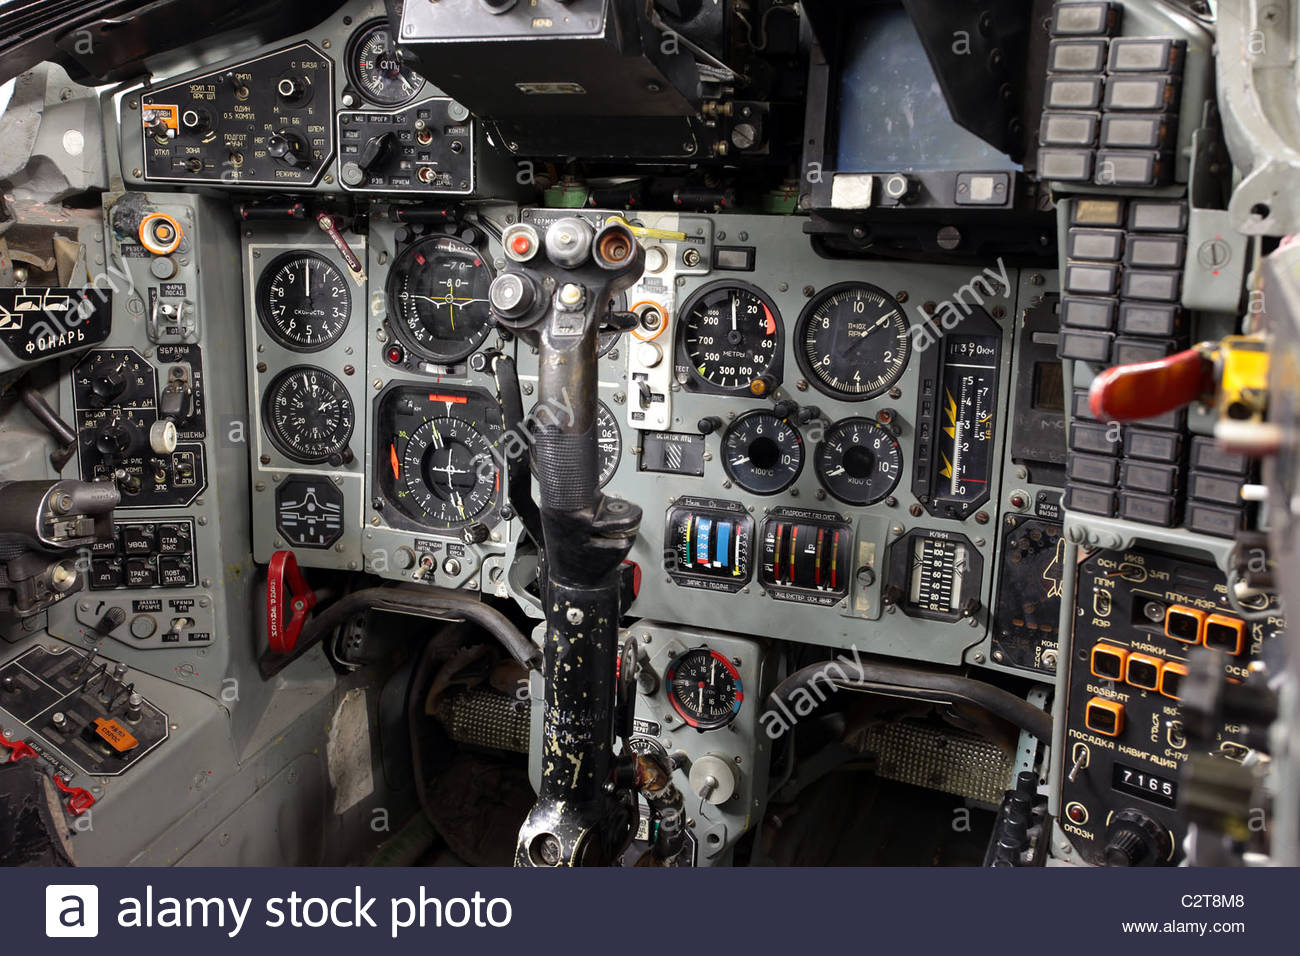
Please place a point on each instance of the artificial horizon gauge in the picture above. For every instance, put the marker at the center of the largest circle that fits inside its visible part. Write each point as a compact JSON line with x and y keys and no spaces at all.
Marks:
{"x":437,"y":298}
{"x":858,"y":461}
{"x":436,"y":456}
{"x":376,"y":69}
{"x":731,"y":338}
{"x":308,"y":415}
{"x":852,"y":341}
{"x":762,"y":452}
{"x":303,"y":301}
{"x":704,"y":688}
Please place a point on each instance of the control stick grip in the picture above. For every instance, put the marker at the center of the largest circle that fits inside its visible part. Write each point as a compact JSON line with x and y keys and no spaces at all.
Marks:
{"x":567,"y":468}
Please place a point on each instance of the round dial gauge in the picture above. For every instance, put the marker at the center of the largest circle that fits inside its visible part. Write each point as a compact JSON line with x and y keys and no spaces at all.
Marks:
{"x":731,"y":335}
{"x":448,"y":472}
{"x":704,"y":688}
{"x":376,"y":69}
{"x":762,"y":453}
{"x":853,"y":341}
{"x":609,"y":443}
{"x":308,"y":415}
{"x":437,"y":298}
{"x":303,"y":301}
{"x":858,"y":461}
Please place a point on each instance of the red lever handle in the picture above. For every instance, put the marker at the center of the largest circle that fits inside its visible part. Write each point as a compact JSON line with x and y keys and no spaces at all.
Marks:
{"x":1127,"y":393}
{"x":18,"y":750}
{"x":79,"y":799}
{"x":286,"y":587}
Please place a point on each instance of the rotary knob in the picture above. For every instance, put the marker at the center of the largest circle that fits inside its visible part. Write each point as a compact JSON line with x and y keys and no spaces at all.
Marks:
{"x":287,"y":148}
{"x":1135,"y":839}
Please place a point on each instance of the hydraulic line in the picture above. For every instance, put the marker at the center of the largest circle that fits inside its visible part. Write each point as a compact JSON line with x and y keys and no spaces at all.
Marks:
{"x":902,"y":680}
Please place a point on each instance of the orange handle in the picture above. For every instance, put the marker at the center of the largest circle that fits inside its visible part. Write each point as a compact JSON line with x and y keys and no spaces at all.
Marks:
{"x":1128,"y":393}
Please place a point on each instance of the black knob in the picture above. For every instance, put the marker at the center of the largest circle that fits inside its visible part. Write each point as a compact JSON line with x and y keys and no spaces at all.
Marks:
{"x":287,"y":148}
{"x":1135,"y":839}
{"x":476,"y":533}
{"x":113,"y":439}
{"x":107,"y":386}
{"x":113,"y":618}
{"x":785,"y":408}
{"x":709,"y":424}
{"x":809,"y":412}
{"x":375,"y":149}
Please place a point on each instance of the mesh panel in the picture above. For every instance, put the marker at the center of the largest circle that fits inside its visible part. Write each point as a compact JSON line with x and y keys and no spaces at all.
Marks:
{"x":951,"y":761}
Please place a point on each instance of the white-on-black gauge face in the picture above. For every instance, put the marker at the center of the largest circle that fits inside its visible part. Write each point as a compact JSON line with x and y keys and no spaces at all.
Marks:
{"x":303,"y":301}
{"x":308,"y":414}
{"x":859,"y":462}
{"x":376,"y":69}
{"x":731,"y":335}
{"x":852,"y":341}
{"x":437,"y":298}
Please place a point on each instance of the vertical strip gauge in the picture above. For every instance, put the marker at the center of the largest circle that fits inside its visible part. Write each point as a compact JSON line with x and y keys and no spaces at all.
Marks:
{"x":956,"y":444}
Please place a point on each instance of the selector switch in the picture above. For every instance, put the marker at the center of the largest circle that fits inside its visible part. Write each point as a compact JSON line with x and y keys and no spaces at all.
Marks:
{"x":1135,"y":839}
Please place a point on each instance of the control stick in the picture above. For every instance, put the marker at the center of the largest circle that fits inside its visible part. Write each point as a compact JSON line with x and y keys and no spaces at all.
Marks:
{"x":555,"y":294}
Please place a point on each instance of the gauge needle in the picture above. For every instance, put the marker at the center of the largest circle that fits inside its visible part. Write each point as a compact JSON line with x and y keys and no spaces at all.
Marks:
{"x":451,"y":294}
{"x":701,"y":704}
{"x":306,"y":279}
{"x":733,"y":313}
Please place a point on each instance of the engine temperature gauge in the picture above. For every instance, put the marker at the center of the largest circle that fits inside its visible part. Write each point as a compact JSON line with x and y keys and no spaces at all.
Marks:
{"x":704,"y":688}
{"x":762,"y":453}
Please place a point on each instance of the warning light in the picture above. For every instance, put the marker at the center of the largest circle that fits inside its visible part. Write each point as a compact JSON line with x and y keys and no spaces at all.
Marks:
{"x":521,"y":244}
{"x":395,"y":355}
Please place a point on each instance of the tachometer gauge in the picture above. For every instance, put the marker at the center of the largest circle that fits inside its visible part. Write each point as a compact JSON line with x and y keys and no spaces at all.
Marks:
{"x":308,"y":414}
{"x":859,"y":461}
{"x":303,"y":301}
{"x":448,"y":471}
{"x":376,"y":69}
{"x":704,"y":688}
{"x":732,"y":337}
{"x":852,"y":341}
{"x":437,"y":298}
{"x":762,"y":453}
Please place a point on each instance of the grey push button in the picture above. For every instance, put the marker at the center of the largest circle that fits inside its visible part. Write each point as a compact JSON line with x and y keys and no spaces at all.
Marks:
{"x":1076,"y":56}
{"x":1157,"y":93}
{"x":1143,"y":318}
{"x":1150,"y":216}
{"x":1089,"y":500}
{"x":1103,"y":245}
{"x":1127,"y":351}
{"x":1093,"y":439}
{"x":1091,"y":279}
{"x":1085,"y":19}
{"x":1093,"y":469}
{"x":1065,"y":165}
{"x":1083,"y":313}
{"x":1207,"y":456}
{"x":1068,"y":129}
{"x":1073,"y":92}
{"x":1155,"y":252}
{"x":1144,"y":284}
{"x":1146,"y":55}
{"x":1091,"y":347}
{"x":1136,"y":130}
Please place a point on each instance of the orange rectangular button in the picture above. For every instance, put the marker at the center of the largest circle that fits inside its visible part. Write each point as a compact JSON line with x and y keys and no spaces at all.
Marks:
{"x":1224,"y":633}
{"x":1144,"y":671}
{"x":1171,"y":679}
{"x":1184,"y":624}
{"x":1104,"y":716}
{"x":115,"y":735}
{"x":1109,"y":662}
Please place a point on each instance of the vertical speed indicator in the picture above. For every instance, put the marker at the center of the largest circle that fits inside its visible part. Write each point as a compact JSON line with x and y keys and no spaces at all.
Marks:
{"x":853,"y":341}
